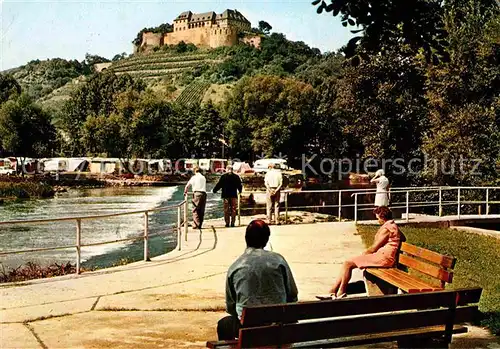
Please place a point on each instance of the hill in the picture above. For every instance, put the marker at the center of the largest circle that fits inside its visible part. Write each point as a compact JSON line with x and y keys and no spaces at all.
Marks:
{"x":40,"y":78}
{"x":182,"y":73}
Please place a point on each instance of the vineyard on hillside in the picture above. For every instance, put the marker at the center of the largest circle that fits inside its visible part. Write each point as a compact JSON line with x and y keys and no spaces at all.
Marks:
{"x":158,"y":65}
{"x":193,"y":93}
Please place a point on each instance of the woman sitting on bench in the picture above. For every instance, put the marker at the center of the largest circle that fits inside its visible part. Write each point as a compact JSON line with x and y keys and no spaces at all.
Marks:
{"x":381,"y":254}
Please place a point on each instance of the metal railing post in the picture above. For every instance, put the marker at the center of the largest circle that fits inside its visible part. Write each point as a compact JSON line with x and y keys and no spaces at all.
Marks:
{"x":239,"y":209}
{"x":78,"y":244}
{"x":356,"y":208}
{"x":286,"y":207}
{"x":458,"y":205}
{"x":179,"y":231}
{"x":440,"y":202}
{"x":487,"y":201}
{"x":146,"y":233}
{"x":340,"y":206}
{"x":407,"y":206}
{"x":186,"y":223}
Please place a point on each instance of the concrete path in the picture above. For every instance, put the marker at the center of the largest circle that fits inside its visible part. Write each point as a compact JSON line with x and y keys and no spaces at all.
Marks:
{"x":175,"y":300}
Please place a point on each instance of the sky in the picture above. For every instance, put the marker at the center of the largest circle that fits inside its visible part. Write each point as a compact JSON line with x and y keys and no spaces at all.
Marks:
{"x":71,"y":28}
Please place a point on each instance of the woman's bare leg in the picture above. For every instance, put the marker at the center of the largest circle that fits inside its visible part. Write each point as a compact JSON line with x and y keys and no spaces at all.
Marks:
{"x":340,"y":277}
{"x":345,"y":277}
{"x":336,"y":285}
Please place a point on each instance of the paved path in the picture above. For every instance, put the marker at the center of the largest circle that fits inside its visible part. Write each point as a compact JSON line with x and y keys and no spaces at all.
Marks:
{"x":173,"y":301}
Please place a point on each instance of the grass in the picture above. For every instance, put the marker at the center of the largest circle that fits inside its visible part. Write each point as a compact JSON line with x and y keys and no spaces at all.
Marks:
{"x":477,"y":262}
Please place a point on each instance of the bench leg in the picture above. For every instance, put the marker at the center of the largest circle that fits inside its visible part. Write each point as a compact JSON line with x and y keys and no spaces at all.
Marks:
{"x":376,"y":287}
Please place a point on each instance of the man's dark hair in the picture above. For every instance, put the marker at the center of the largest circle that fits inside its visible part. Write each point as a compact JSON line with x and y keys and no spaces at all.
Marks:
{"x":257,"y":234}
{"x":384,"y":212}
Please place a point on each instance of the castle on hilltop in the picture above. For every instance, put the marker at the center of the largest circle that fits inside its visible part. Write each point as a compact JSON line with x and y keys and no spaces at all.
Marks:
{"x":205,"y":30}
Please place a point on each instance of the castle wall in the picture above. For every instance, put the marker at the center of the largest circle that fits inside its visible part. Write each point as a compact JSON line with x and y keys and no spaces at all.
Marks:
{"x":212,"y":32}
{"x":151,"y":39}
{"x":223,"y":37}
{"x":198,"y":36}
{"x":207,"y":37}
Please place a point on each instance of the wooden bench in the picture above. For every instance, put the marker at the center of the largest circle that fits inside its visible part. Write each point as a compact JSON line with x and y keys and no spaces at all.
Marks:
{"x":425,"y":319}
{"x":437,"y":267}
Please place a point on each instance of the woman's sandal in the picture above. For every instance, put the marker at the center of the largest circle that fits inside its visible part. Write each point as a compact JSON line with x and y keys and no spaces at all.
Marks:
{"x":326,"y":297}
{"x":343,"y":295}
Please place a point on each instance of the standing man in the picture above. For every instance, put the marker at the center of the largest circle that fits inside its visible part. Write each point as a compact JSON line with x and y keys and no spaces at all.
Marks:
{"x":230,"y":183}
{"x":199,"y":184}
{"x":256,"y":277}
{"x":273,"y":182}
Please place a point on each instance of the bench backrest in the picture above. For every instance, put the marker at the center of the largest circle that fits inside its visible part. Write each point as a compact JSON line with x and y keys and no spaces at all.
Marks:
{"x":272,"y":325}
{"x":427,"y":262}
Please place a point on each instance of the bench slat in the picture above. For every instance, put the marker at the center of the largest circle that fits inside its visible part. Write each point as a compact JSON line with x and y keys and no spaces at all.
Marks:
{"x":426,"y":268}
{"x":310,"y":331}
{"x":423,"y":332}
{"x":431,"y":256}
{"x":402,"y":280}
{"x":257,"y":315}
{"x":400,"y":277}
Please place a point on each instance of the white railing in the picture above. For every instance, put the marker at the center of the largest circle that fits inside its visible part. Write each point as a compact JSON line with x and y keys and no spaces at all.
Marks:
{"x":407,"y":204}
{"x":181,"y":222}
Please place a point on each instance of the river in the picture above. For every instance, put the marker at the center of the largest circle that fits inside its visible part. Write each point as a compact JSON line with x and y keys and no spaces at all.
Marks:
{"x":88,"y":202}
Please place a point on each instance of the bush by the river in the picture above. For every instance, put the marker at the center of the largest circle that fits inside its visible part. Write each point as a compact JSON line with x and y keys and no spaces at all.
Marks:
{"x":35,"y":271}
{"x":25,"y":190}
{"x":477,"y":262}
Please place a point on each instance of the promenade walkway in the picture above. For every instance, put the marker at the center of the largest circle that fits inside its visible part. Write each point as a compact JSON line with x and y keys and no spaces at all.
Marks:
{"x":175,"y":300}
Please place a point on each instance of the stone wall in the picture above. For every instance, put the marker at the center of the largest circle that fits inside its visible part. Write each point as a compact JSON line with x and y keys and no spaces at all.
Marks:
{"x":151,"y":39}
{"x":99,"y":67}
{"x":254,"y":41}
{"x":206,"y":37}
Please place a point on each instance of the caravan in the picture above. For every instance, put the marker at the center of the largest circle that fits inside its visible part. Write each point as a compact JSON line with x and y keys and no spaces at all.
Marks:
{"x":213,"y":165}
{"x":261,"y":165}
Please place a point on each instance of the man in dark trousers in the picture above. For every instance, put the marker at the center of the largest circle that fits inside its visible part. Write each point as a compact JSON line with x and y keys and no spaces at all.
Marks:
{"x":230,"y":183}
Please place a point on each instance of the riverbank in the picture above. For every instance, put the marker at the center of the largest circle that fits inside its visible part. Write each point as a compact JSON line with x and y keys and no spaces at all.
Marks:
{"x":46,"y":186}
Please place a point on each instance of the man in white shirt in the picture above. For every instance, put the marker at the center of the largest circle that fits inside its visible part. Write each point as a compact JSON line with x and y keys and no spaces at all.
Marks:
{"x":199,"y":184}
{"x":273,"y":182}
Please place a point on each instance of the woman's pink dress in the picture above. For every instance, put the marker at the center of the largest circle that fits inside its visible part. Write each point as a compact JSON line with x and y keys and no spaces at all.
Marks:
{"x":386,"y":255}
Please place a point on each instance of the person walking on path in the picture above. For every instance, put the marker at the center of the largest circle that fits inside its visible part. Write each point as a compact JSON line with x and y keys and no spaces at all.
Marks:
{"x":273,"y":182}
{"x":199,"y":184}
{"x":230,"y":183}
{"x":382,"y":195}
{"x":256,"y":277}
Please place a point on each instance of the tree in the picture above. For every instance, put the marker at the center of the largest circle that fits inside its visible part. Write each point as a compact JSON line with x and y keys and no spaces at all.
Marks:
{"x":270,"y":115}
{"x":464,"y":105}
{"x":95,"y":98}
{"x":9,"y":87}
{"x":383,"y":107}
{"x":25,"y":128}
{"x":90,"y":60}
{"x":265,"y":27}
{"x":119,"y":56}
{"x":208,"y":129}
{"x":416,"y":23}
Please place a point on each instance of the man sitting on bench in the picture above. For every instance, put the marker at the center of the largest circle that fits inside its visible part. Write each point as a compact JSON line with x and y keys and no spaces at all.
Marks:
{"x":256,"y":277}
